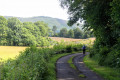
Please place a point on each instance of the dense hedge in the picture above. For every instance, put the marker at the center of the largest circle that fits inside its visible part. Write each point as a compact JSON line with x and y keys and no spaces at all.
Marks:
{"x":108,"y":56}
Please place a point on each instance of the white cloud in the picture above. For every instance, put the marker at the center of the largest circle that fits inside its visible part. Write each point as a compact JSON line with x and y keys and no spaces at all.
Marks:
{"x":29,"y":8}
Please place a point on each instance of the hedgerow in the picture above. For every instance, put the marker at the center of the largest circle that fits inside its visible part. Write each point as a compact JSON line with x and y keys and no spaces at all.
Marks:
{"x":33,"y":63}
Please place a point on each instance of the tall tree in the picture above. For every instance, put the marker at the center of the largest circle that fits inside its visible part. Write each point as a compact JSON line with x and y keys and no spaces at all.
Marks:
{"x":96,"y":15}
{"x":43,"y":27}
{"x":3,"y":30}
{"x":71,"y":33}
{"x":15,"y":27}
{"x":54,"y":29}
{"x":63,"y":32}
{"x":102,"y":16}
{"x":77,"y":33}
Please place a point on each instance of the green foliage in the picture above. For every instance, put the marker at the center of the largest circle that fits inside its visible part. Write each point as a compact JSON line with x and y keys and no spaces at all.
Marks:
{"x":3,"y":31}
{"x":69,"y":48}
{"x":32,"y":64}
{"x":13,"y":32}
{"x":77,"y":33}
{"x":82,"y":76}
{"x":43,"y":28}
{"x":63,"y":32}
{"x":71,"y":33}
{"x":102,"y":17}
{"x":74,"y":33}
{"x":54,"y":29}
{"x":14,"y":36}
{"x":87,"y":34}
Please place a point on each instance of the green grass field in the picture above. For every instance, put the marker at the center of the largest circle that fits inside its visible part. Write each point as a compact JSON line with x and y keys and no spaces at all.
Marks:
{"x":10,"y":51}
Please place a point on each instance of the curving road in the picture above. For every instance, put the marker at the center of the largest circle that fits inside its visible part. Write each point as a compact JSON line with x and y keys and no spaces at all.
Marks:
{"x":65,"y":72}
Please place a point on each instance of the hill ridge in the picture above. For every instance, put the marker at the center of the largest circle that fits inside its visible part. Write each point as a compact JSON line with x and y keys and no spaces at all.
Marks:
{"x":59,"y":23}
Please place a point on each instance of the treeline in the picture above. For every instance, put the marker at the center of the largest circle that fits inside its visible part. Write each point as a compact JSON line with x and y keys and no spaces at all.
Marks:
{"x":72,"y":33}
{"x":15,"y":33}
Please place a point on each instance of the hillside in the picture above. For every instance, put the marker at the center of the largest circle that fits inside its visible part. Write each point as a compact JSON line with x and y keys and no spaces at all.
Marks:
{"x":50,"y":21}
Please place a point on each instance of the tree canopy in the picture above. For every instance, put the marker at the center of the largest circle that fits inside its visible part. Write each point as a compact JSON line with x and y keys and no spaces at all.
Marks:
{"x":63,"y":32}
{"x":102,"y":17}
{"x":14,"y":32}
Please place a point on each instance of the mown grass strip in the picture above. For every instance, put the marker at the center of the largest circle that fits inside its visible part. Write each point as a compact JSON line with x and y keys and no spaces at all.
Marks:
{"x":106,"y":72}
{"x":70,"y":61}
{"x":82,"y":75}
{"x":51,"y":70}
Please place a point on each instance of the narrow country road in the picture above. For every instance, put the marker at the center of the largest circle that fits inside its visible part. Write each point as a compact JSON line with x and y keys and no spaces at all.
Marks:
{"x":65,"y":72}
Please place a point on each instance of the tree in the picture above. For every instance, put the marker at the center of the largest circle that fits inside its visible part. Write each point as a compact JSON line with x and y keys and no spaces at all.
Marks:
{"x":50,"y":32}
{"x":3,"y":31}
{"x":77,"y":33}
{"x":15,"y":33}
{"x":43,"y":27}
{"x":71,"y":33}
{"x":87,"y":34}
{"x":96,"y":15}
{"x":32,"y":28}
{"x":54,"y":29}
{"x":63,"y":32}
{"x":115,"y":14}
{"x":15,"y":27}
{"x":102,"y":16}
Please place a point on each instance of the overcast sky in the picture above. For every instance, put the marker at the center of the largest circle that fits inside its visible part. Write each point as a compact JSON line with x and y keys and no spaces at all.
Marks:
{"x":30,"y":8}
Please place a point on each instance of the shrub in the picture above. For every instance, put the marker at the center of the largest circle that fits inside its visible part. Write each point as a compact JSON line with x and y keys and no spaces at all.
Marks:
{"x":32,"y":64}
{"x":69,"y":49}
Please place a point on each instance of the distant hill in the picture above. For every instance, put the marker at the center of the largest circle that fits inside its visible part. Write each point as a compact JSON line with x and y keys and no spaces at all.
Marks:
{"x":50,"y":21}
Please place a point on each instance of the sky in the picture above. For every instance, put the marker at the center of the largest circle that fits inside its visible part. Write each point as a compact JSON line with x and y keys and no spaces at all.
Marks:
{"x":31,"y":8}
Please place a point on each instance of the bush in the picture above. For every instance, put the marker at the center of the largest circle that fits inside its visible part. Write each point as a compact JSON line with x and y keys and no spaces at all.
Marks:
{"x":32,"y":64}
{"x":69,"y":49}
{"x":106,"y":55}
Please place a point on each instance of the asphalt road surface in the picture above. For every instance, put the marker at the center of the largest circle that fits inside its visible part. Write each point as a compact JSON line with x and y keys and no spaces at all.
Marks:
{"x":65,"y":72}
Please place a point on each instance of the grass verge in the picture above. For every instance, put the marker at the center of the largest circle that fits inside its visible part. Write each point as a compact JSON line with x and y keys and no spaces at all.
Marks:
{"x":105,"y":72}
{"x":70,"y":61}
{"x":51,"y":70}
{"x":82,"y":75}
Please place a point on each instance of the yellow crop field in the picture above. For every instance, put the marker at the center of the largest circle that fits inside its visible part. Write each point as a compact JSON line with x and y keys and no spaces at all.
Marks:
{"x":10,"y":51}
{"x":89,"y":41}
{"x":69,"y":39}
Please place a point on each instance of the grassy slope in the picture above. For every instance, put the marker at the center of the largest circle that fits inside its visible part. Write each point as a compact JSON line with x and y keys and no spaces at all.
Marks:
{"x":49,"y":20}
{"x":10,"y":51}
{"x":106,"y":72}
